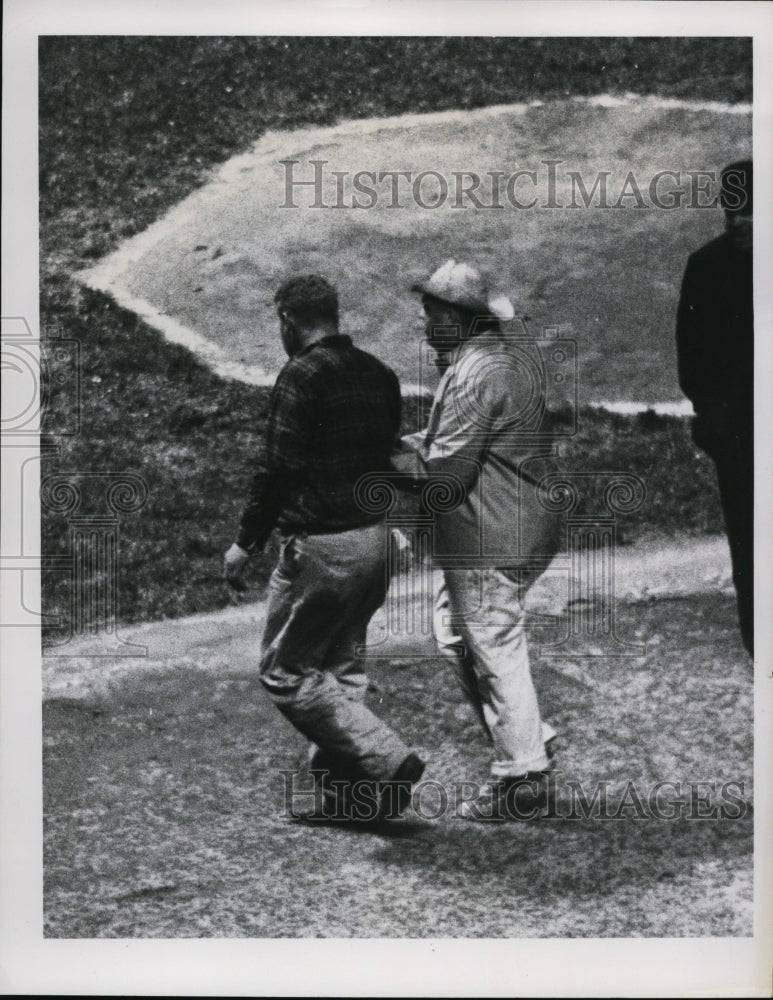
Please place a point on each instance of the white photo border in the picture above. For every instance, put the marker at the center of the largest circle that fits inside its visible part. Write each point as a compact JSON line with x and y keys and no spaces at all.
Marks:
{"x":543,"y":967}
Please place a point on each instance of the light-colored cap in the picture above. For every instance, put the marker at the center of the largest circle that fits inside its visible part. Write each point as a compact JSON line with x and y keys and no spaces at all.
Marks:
{"x":462,"y":285}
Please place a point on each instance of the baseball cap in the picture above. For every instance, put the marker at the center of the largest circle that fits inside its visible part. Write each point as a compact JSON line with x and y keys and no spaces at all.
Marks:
{"x":460,"y":284}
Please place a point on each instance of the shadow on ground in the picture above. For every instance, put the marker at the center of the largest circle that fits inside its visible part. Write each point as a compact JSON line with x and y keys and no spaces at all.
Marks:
{"x":164,"y":804}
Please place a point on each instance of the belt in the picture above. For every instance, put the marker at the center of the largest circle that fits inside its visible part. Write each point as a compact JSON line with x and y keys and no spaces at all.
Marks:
{"x":319,"y":529}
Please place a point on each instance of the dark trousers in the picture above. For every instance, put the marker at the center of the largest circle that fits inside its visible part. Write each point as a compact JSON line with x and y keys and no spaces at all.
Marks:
{"x":735,"y":474}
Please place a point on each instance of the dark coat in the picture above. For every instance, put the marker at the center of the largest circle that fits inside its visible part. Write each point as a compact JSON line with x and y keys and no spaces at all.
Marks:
{"x":715,"y":344}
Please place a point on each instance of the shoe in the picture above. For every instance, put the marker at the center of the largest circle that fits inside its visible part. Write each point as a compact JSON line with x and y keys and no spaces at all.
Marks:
{"x":361,"y":800}
{"x":515,"y":798}
{"x":396,"y":793}
{"x":343,"y":792}
{"x":554,"y":747}
{"x":341,"y":800}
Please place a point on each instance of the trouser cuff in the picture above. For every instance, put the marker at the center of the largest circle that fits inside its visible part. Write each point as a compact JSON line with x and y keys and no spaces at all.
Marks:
{"x":515,"y":768}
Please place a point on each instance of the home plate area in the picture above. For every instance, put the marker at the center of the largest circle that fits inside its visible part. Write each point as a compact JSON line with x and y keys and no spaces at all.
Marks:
{"x":572,"y":217}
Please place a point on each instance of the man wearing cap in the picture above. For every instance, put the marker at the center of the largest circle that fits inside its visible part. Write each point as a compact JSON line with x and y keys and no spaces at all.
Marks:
{"x":496,"y":541}
{"x":334,"y":416}
{"x":715,"y":343}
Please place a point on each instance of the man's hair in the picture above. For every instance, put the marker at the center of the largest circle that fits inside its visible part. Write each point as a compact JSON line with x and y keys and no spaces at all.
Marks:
{"x":309,"y":297}
{"x":735,"y":188}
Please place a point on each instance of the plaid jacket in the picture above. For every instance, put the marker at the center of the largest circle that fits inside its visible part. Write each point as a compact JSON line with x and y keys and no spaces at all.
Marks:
{"x":334,"y":415}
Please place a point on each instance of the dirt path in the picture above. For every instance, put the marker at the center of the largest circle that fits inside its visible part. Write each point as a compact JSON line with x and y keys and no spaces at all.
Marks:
{"x":217,"y":641}
{"x":166,"y":798}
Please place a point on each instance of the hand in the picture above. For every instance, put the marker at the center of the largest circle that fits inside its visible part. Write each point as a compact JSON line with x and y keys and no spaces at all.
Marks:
{"x":233,"y":567}
{"x":402,"y":552}
{"x":408,"y":457}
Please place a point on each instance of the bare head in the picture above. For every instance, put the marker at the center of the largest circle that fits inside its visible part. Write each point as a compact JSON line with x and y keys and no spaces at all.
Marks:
{"x":307,"y":307}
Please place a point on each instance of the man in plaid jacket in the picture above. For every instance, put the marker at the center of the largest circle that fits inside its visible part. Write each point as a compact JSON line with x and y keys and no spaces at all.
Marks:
{"x":334,"y":416}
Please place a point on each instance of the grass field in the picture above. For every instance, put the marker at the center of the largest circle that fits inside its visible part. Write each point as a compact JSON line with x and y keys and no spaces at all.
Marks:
{"x":129,"y":126}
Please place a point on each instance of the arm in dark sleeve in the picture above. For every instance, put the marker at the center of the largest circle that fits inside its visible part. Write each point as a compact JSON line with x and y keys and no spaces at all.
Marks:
{"x":267,"y":495}
{"x":283,"y":458}
{"x":396,"y":404}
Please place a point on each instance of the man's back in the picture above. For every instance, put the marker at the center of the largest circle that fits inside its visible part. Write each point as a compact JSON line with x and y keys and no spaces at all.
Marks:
{"x":715,"y":342}
{"x":334,"y":416}
{"x":715,"y":330}
{"x":352,"y":409}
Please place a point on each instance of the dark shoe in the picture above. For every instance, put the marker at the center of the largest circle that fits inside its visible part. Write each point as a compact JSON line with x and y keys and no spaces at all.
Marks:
{"x":341,"y":800}
{"x":343,"y":793}
{"x":516,"y":798}
{"x":396,"y":793}
{"x":359,"y":799}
